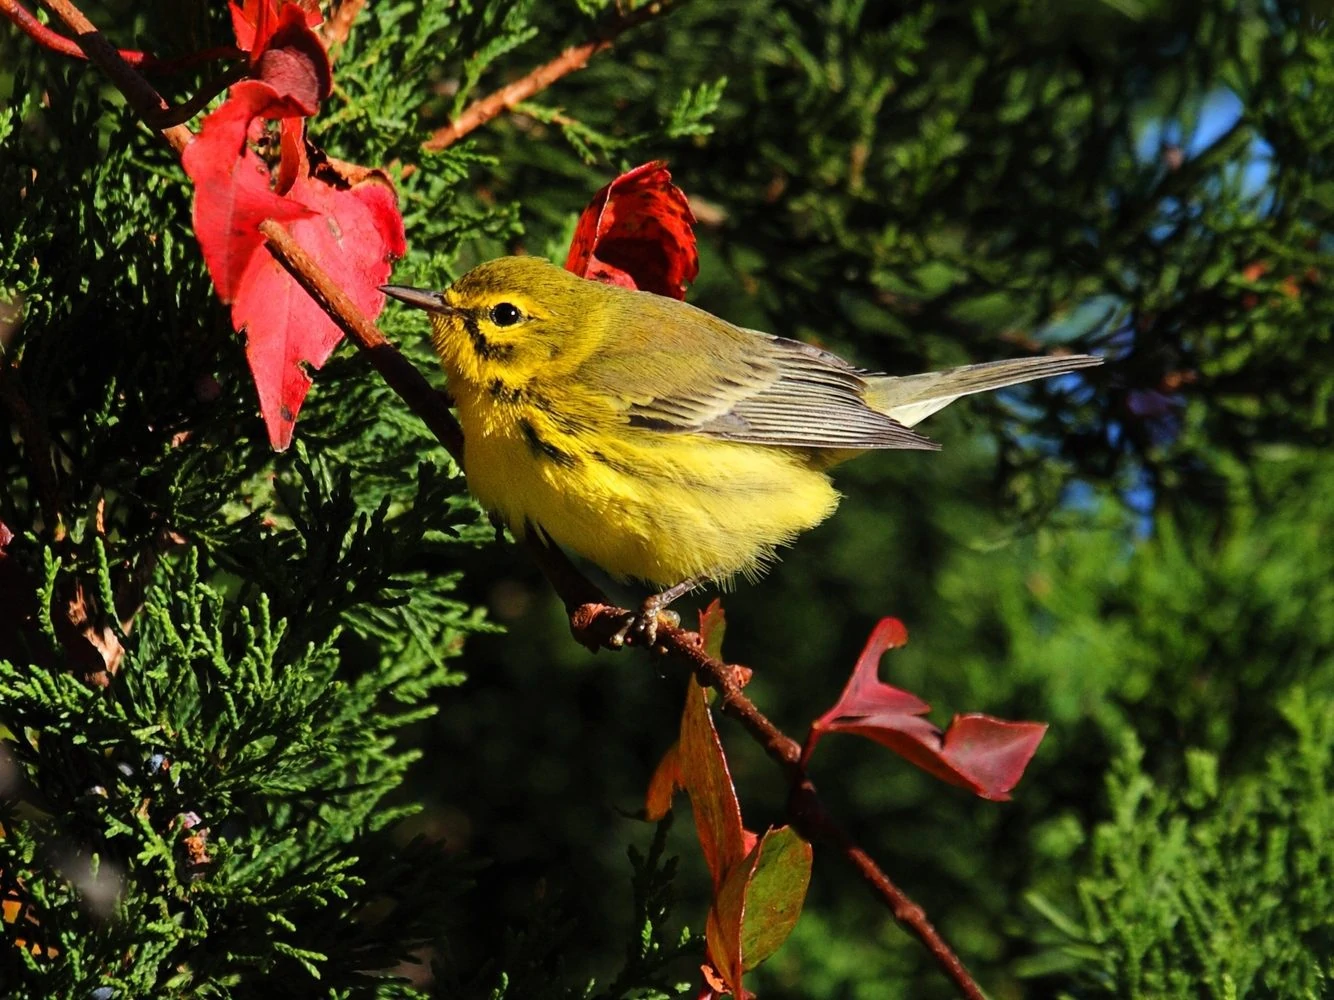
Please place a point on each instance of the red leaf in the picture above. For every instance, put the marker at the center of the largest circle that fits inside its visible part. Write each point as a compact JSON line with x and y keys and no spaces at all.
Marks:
{"x":354,"y":234}
{"x":232,"y":195}
{"x":6,"y":536}
{"x":353,"y":230}
{"x":636,"y":232}
{"x":712,"y":796}
{"x":255,"y":21}
{"x":293,"y":61}
{"x":982,"y":754}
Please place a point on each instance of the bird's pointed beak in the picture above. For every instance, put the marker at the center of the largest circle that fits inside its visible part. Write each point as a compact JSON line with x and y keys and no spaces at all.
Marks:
{"x":419,"y":297}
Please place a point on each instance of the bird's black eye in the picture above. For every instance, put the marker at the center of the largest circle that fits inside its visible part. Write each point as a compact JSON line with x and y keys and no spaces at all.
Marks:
{"x":505,"y":314}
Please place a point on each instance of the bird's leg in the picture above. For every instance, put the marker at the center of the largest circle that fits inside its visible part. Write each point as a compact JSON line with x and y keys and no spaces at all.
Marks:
{"x":643,"y":624}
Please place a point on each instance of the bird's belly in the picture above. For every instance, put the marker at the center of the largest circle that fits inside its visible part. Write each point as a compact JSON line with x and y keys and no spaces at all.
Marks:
{"x":655,"y":507}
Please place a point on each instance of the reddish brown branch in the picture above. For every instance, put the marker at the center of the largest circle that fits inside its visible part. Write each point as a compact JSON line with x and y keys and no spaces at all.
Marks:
{"x":809,"y":815}
{"x":576,"y":57}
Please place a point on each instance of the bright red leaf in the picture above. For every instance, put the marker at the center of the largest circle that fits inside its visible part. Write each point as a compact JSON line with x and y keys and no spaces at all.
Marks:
{"x":255,"y":21}
{"x":347,"y":220}
{"x":637,"y":232}
{"x":977,"y":752}
{"x":232,"y":183}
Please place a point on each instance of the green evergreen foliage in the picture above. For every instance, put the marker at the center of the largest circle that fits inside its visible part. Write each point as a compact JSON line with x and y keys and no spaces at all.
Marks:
{"x":284,"y":783}
{"x":1216,"y":891}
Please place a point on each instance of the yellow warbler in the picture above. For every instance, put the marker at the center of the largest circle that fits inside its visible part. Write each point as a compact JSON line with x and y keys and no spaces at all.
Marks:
{"x":653,"y":438}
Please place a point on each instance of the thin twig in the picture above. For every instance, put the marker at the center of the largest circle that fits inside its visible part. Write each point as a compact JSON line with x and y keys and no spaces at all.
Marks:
{"x":187,"y":109}
{"x":576,"y":57}
{"x":592,"y":620}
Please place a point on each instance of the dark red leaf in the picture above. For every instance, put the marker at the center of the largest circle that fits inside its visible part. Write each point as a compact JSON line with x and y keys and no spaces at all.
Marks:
{"x":353,"y":230}
{"x":293,"y":61}
{"x":991,"y":752}
{"x":982,"y":754}
{"x":637,"y":232}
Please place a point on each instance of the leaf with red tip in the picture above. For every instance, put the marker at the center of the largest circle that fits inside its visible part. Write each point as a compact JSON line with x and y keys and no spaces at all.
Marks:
{"x":637,"y":232}
{"x":709,"y":782}
{"x":985,"y":755}
{"x":758,"y":904}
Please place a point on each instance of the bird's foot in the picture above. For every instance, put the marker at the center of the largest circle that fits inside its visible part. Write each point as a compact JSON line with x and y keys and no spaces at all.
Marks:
{"x":641,"y":627}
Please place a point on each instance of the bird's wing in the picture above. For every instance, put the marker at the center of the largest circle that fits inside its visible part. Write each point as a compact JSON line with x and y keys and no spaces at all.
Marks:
{"x":682,"y":370}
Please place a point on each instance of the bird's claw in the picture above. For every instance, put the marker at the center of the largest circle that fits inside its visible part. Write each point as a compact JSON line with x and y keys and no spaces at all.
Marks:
{"x":641,"y":627}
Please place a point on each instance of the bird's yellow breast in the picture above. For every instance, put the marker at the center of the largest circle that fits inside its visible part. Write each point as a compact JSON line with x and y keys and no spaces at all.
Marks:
{"x":641,"y":504}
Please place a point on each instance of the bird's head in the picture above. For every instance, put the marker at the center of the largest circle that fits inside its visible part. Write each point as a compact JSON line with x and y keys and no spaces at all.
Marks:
{"x":508,"y":320}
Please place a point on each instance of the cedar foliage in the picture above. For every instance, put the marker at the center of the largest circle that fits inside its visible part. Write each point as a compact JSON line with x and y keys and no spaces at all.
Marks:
{"x":1142,"y":559}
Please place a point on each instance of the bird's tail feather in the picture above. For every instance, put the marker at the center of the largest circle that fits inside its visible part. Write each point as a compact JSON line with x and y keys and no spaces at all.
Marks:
{"x":910,"y":399}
